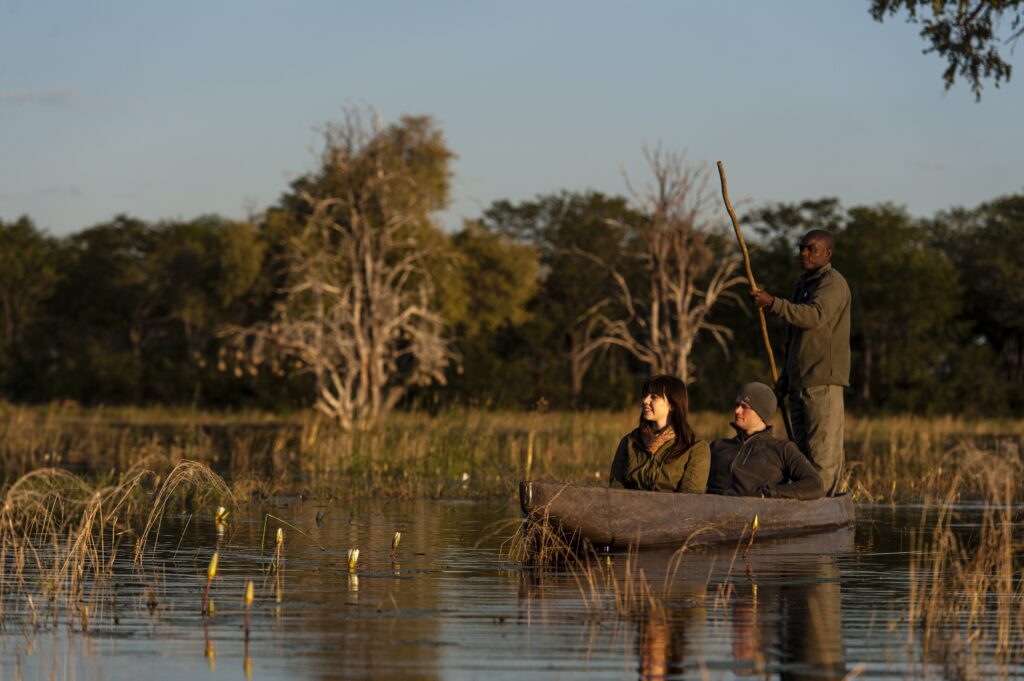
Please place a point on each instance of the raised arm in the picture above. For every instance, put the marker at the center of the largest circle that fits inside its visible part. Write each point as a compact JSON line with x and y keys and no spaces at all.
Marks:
{"x":832,"y":294}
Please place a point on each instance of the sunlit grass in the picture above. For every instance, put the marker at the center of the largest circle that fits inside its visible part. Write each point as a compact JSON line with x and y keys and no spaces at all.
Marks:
{"x":61,"y":535}
{"x":966,"y":602}
{"x":463,"y":453}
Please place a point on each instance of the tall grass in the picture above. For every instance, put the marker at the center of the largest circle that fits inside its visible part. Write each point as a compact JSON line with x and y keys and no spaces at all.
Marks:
{"x":61,"y":535}
{"x":460,"y":453}
{"x":966,"y":590}
{"x":615,"y":584}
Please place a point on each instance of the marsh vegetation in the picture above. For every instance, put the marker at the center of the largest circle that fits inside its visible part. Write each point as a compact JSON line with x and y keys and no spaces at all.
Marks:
{"x":111,"y":520}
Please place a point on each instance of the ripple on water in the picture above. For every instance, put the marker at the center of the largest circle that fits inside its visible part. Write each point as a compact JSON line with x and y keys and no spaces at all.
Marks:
{"x":446,"y":604}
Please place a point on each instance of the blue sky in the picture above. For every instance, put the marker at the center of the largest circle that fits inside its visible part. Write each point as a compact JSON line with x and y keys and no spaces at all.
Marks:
{"x":175,"y":109}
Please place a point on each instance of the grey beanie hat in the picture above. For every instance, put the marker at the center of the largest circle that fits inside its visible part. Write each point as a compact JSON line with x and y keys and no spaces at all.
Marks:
{"x":761,"y":398}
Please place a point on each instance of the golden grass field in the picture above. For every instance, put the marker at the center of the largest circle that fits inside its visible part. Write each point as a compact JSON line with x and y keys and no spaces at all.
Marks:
{"x":459,"y":453}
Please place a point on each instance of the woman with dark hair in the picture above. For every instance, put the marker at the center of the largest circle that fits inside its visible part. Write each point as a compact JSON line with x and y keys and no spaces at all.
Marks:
{"x":662,"y":454}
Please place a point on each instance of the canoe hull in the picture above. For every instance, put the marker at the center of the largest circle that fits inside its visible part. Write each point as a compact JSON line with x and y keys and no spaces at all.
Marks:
{"x":618,"y":518}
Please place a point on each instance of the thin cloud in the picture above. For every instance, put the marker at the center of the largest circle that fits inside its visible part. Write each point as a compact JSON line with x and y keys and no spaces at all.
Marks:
{"x":55,"y":97}
{"x":71,"y":190}
{"x":932,"y":165}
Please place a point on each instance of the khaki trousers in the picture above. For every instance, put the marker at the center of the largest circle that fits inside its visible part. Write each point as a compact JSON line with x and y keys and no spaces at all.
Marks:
{"x":818,"y":420}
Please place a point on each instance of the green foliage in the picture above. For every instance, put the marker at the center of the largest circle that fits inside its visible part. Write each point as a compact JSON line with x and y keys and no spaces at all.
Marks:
{"x":495,"y":278}
{"x":28,"y":278}
{"x":987,"y":246}
{"x":130,"y":311}
{"x":558,"y":227}
{"x":966,"y":33}
{"x":135,"y":314}
{"x":906,"y":299}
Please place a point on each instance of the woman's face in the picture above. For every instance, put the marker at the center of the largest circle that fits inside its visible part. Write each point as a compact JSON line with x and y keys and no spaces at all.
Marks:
{"x":655,"y":408}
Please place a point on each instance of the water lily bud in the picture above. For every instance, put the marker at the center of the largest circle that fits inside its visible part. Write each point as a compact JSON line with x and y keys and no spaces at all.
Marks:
{"x":211,"y":571}
{"x":249,"y":593}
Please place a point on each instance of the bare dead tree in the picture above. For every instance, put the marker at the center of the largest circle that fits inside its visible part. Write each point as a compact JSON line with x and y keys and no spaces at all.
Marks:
{"x":666,"y":308}
{"x":584,"y":347}
{"x":357,"y":312}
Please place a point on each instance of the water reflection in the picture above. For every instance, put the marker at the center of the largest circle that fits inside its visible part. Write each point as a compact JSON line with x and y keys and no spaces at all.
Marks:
{"x":445,"y":605}
{"x":801,"y":620}
{"x":783,"y":609}
{"x":661,"y":642}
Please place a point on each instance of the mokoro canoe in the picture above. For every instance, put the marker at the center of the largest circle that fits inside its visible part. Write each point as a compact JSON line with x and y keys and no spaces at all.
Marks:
{"x":618,"y":518}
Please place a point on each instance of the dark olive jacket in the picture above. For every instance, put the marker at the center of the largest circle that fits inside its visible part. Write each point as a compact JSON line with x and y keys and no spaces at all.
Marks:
{"x":634,"y":468}
{"x":818,"y":336}
{"x":762,"y":465}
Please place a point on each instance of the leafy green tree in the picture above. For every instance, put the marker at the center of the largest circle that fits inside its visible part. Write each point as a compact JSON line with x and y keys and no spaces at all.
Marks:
{"x":561,"y":227}
{"x":106,"y":302}
{"x":906,"y":301}
{"x":966,"y":33}
{"x":206,"y":272}
{"x":495,"y":277}
{"x":138,"y":307}
{"x":483,"y":289}
{"x":28,"y":277}
{"x":987,"y":246}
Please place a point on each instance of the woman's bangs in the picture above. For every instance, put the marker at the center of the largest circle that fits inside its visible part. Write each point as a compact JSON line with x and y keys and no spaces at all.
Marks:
{"x":656,"y":385}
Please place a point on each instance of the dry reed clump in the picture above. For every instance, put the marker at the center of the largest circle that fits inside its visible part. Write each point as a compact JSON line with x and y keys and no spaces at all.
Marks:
{"x":61,"y":536}
{"x":966,"y":591}
{"x":606,"y":583}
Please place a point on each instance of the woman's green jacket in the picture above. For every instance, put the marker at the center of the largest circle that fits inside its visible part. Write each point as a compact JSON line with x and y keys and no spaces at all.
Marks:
{"x":634,"y":468}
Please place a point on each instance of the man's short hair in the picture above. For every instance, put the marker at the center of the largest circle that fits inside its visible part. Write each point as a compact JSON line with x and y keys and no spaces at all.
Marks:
{"x":820,"y":235}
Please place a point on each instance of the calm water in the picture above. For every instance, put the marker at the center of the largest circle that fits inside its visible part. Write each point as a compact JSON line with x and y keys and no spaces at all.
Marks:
{"x":447,"y":606}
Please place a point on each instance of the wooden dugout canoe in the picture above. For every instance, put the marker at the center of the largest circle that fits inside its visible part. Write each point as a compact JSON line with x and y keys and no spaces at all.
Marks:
{"x":618,"y":518}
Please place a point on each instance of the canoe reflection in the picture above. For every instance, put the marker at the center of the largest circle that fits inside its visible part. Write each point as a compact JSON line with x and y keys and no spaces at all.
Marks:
{"x":776,"y":611}
{"x":783,"y":604}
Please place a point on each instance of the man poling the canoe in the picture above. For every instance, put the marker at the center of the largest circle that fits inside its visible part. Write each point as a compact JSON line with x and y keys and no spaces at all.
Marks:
{"x":817,"y":365}
{"x":662,"y":454}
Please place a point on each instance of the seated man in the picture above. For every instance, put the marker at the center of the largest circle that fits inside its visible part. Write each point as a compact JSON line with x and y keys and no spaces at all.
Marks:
{"x":755,"y":463}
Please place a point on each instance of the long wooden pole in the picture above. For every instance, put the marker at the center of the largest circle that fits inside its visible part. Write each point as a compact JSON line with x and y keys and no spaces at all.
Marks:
{"x":753,"y":287}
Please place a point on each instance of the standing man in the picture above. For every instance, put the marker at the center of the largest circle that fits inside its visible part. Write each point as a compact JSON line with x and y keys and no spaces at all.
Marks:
{"x":817,"y":364}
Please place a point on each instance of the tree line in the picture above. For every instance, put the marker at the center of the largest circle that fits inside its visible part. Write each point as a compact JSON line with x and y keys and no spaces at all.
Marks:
{"x":346,"y":296}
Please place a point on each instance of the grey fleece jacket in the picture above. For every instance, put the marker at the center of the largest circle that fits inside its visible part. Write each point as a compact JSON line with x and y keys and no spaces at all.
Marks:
{"x":762,"y":465}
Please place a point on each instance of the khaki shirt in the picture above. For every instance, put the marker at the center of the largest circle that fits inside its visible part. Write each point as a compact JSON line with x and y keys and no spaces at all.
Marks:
{"x":818,"y":339}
